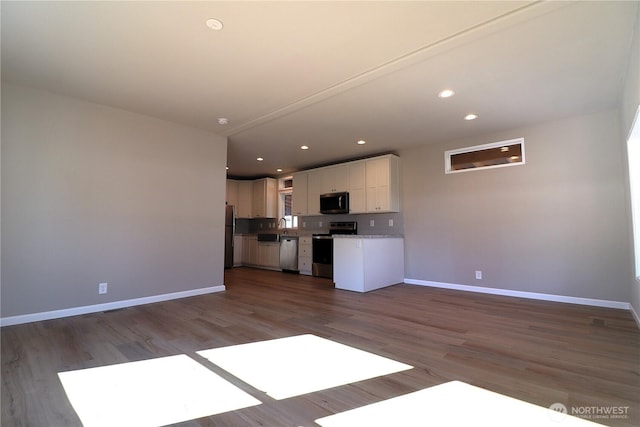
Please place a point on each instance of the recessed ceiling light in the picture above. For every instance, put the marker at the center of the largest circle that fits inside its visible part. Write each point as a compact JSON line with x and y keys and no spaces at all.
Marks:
{"x":227,"y":167}
{"x":471,"y":116}
{"x":447,"y":93}
{"x":223,"y":121}
{"x":278,"y":170}
{"x":214,"y":24}
{"x":259,"y":159}
{"x":362,"y":142}
{"x":304,"y":147}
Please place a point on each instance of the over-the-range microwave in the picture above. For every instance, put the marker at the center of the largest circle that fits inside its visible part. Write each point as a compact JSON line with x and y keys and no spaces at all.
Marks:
{"x":334,"y":203}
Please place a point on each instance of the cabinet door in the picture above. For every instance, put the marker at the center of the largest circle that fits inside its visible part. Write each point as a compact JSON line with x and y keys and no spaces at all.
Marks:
{"x":259,"y":198}
{"x":357,"y":188}
{"x":334,"y":179}
{"x":245,"y":250}
{"x":237,"y":251}
{"x":314,"y":181}
{"x":274,"y":255}
{"x":271,"y":198}
{"x":245,"y":199}
{"x":265,"y":198}
{"x":253,"y":250}
{"x":382,"y":177}
{"x":300,"y":195}
{"x":232,"y":193}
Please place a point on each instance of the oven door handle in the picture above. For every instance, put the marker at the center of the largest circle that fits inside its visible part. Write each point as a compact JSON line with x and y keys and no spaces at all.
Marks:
{"x":322,"y":237}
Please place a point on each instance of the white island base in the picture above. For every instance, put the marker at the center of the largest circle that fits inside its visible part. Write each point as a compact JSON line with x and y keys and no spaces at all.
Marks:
{"x":364,"y":263}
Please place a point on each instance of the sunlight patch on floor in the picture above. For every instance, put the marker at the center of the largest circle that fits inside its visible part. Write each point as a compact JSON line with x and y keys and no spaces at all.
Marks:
{"x":152,"y":392}
{"x":292,"y":366}
{"x":452,"y":404}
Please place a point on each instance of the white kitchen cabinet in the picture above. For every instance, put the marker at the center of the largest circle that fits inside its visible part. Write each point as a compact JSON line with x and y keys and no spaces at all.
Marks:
{"x":383,"y":184}
{"x":304,"y":255}
{"x":245,"y":199}
{"x":365,"y":263}
{"x":250,"y":250}
{"x":357,"y":187}
{"x":334,"y":179}
{"x":265,"y":198}
{"x":232,"y":193}
{"x":237,"y":251}
{"x":314,"y":183}
{"x":299,"y":195}
{"x":269,"y":255}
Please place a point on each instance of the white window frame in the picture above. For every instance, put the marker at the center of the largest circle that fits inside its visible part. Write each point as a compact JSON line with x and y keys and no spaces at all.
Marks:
{"x":291,"y":222}
{"x":633,"y":157}
{"x":507,"y":143}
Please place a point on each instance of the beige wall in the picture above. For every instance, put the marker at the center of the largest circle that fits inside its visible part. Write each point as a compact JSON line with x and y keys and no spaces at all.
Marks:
{"x":95,"y":194}
{"x":556,"y":225}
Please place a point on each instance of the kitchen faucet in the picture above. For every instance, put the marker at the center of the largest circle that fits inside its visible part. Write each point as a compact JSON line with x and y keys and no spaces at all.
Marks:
{"x":285,"y":224}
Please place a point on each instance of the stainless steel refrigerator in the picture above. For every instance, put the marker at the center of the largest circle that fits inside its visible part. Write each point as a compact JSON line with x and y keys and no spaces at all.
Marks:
{"x":229,"y":225}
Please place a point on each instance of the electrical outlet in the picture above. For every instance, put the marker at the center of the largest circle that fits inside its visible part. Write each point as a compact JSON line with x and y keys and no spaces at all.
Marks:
{"x":320,"y":224}
{"x":371,"y":223}
{"x":102,"y":288}
{"x":479,"y":274}
{"x":391,"y":223}
{"x":304,"y":224}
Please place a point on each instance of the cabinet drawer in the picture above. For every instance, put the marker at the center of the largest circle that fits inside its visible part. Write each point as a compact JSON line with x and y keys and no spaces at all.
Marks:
{"x":304,"y":250}
{"x":304,"y":264}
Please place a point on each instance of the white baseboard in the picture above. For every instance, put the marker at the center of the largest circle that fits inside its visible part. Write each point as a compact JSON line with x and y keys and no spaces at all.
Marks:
{"x":522,"y":294}
{"x":75,"y":311}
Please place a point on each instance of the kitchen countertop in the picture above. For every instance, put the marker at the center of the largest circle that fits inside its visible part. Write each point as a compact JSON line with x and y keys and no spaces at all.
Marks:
{"x":367,"y":236}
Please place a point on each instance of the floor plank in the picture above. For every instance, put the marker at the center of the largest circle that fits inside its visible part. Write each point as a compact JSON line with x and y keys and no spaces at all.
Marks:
{"x":537,"y":351}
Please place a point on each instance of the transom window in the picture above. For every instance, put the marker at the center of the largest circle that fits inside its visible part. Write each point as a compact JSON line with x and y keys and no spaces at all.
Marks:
{"x":493,"y":155}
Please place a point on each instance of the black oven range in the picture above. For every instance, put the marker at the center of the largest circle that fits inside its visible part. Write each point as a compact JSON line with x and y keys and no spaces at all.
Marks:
{"x":322,"y":247}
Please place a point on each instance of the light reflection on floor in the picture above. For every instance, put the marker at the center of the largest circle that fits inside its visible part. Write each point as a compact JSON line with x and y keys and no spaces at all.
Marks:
{"x":152,"y":392}
{"x":292,"y":366}
{"x":452,"y":404}
{"x":173,"y":389}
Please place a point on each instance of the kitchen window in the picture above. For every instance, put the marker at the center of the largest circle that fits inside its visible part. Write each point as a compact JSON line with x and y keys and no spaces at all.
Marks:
{"x":285,"y":198}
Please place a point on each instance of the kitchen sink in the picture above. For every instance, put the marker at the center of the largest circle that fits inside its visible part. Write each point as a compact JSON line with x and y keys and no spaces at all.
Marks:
{"x":268,"y":237}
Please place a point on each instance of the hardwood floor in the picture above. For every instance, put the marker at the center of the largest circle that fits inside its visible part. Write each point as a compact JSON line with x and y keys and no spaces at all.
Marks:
{"x":536,"y":351}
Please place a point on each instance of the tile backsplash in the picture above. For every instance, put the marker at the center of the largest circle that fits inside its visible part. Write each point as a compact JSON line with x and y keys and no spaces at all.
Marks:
{"x":381,"y":224}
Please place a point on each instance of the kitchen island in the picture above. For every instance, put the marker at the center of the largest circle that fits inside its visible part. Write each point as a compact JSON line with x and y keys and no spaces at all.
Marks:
{"x":362,"y":263}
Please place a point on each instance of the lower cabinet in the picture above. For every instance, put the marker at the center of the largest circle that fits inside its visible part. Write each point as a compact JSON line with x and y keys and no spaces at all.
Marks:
{"x":260,"y":254}
{"x":304,"y":255}
{"x":237,"y":251}
{"x":269,"y":255}
{"x":249,"y":250}
{"x":363,"y":264}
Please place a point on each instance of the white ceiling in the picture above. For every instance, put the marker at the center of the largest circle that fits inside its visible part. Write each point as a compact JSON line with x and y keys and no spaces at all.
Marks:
{"x":326,"y":74}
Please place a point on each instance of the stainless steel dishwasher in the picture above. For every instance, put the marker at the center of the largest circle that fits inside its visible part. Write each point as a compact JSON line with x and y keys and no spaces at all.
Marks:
{"x":289,"y":253}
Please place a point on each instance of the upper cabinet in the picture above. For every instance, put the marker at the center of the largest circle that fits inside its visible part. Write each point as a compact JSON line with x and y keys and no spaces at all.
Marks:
{"x":265,"y":198}
{"x":232,"y":192}
{"x":373,"y":185}
{"x":253,"y":199}
{"x":335,"y":179}
{"x":244,"y":207}
{"x":357,"y":187}
{"x":383,"y":184}
{"x":314,"y":190}
{"x":299,"y":196}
